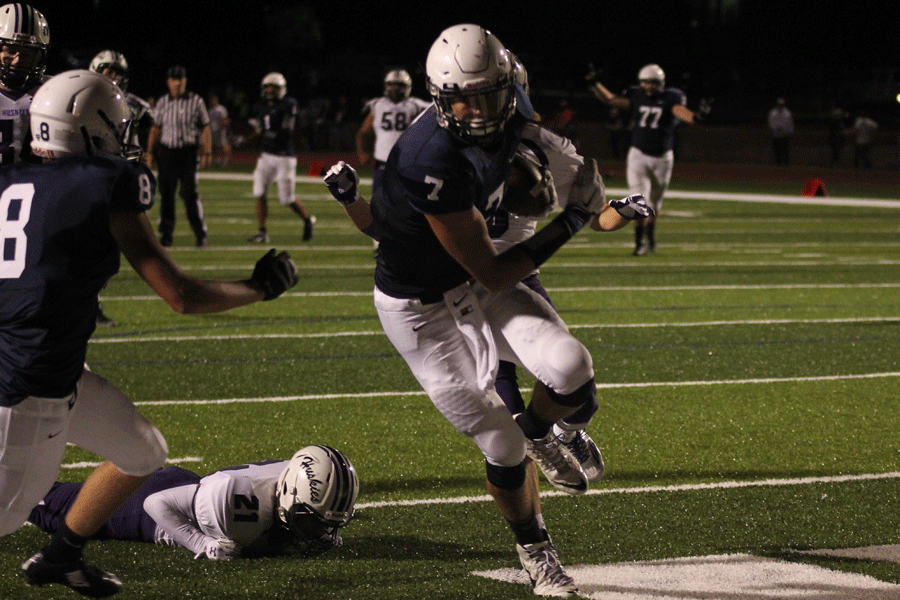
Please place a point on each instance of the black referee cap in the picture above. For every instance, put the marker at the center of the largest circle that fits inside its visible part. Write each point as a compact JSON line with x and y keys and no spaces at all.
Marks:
{"x":176,"y":72}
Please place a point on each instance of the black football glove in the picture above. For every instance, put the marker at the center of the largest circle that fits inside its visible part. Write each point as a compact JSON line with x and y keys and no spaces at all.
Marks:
{"x":343,"y":183}
{"x":632,"y":207}
{"x":275,"y":274}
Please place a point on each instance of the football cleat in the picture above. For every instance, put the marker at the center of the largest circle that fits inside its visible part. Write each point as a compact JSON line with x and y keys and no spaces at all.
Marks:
{"x":580,"y":445}
{"x":260,"y":238}
{"x":547,"y":576}
{"x":559,"y":467}
{"x":308,"y":228}
{"x":87,"y":580}
{"x":640,"y":250}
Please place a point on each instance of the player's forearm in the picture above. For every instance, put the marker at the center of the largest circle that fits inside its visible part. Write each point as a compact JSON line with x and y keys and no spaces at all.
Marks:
{"x":167,"y":509}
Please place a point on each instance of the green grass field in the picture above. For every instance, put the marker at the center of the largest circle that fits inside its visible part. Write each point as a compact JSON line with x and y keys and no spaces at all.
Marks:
{"x":746,"y":371}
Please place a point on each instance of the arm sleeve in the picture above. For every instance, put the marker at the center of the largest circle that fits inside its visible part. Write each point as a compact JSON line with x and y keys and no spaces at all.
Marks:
{"x":173,"y":512}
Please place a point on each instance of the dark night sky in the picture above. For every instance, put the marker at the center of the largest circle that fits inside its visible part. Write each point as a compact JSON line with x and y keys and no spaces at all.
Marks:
{"x":805,"y":50}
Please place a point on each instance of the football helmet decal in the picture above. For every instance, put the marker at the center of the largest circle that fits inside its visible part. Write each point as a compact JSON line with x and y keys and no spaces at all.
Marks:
{"x":315,"y":495}
{"x":652,"y":73}
{"x":114,"y":62}
{"x":81,"y":112}
{"x":24,"y":32}
{"x":278,"y":81}
{"x":397,"y":85}
{"x":468,"y":64}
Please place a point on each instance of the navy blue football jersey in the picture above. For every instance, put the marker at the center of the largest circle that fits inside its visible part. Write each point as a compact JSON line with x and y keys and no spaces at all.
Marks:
{"x":57,"y":254}
{"x":276,"y":121}
{"x":431,"y":171}
{"x":654,"y":123}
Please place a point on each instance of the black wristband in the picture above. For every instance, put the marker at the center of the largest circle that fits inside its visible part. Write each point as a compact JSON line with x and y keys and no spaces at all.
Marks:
{"x":542,"y":245}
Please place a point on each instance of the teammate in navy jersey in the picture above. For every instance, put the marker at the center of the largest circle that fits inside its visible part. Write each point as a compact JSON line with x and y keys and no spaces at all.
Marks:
{"x":273,"y":118}
{"x":63,"y":226}
{"x":452,"y":306}
{"x":655,"y":111}
{"x":232,"y":512}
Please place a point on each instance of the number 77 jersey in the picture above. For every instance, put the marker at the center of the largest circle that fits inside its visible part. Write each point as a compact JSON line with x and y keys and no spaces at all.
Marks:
{"x":653,"y":120}
{"x":238,"y":503}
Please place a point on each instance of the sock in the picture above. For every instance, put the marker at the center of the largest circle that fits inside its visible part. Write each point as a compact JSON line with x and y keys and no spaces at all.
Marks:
{"x":528,"y":531}
{"x":262,"y":230}
{"x":65,"y":546}
{"x":533,"y":426}
{"x":638,"y":235}
{"x":651,"y":234}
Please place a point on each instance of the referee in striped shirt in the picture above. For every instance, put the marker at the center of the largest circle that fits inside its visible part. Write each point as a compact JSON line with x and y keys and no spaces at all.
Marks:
{"x":181,"y":126}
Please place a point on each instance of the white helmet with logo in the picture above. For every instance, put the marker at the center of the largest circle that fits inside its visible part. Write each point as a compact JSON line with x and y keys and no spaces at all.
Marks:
{"x":81,"y":112}
{"x":469,"y":64}
{"x":318,"y":489}
{"x":25,"y":28}
{"x":277,"y":80}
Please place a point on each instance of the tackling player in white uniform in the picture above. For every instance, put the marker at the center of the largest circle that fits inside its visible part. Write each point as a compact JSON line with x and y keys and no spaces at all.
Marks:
{"x":656,"y":110}
{"x":25,"y":40}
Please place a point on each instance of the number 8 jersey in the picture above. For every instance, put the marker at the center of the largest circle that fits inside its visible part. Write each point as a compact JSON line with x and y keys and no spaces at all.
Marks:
{"x":56,"y":254}
{"x":652,"y":118}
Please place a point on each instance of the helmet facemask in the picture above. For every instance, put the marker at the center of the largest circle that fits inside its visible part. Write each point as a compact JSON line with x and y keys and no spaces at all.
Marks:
{"x":488,"y":108}
{"x":29,"y":68}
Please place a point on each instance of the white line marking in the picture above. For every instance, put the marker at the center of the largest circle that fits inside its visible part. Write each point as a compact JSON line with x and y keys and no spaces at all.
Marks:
{"x":689,"y":487}
{"x":173,"y":461}
{"x":421,"y":393}
{"x":271,"y":336}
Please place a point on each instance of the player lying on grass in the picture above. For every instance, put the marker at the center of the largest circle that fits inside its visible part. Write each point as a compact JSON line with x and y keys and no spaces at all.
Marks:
{"x":249,"y":510}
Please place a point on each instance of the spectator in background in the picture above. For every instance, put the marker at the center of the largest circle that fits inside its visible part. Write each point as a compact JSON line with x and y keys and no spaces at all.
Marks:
{"x":864,"y":129}
{"x":781,"y":122}
{"x":837,"y":130}
{"x":219,"y":129}
{"x":618,"y":132}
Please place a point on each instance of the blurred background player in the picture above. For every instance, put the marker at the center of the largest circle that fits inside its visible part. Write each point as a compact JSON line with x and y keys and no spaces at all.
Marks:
{"x":24,"y":47}
{"x":273,"y":118}
{"x":219,"y":129}
{"x":180,"y":141}
{"x":386,"y":119}
{"x":238,"y":511}
{"x":78,"y":212}
{"x":655,"y":110}
{"x":112,"y":64}
{"x":781,"y":123}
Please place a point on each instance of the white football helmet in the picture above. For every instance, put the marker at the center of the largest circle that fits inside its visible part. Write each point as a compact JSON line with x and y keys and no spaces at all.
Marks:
{"x":25,"y":30}
{"x":469,"y":64}
{"x":652,"y":73}
{"x":115,"y":62}
{"x":319,"y":487}
{"x":280,"y":83}
{"x":81,"y":112}
{"x":402,"y":80}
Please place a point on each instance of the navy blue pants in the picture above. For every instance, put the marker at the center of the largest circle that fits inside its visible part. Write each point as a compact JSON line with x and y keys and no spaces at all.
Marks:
{"x":129,"y":523}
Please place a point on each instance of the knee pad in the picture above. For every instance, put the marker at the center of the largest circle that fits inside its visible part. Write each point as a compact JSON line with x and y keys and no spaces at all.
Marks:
{"x":506,"y":478}
{"x":577,"y":398}
{"x":147,"y":460}
{"x":568,"y":364}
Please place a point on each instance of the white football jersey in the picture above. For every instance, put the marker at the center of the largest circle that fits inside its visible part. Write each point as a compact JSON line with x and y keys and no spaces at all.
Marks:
{"x":390,"y":121}
{"x":563,"y":162}
{"x":15,"y":119}
{"x":238,"y":503}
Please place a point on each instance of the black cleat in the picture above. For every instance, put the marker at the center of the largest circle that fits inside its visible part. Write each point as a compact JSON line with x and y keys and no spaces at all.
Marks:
{"x":87,"y":580}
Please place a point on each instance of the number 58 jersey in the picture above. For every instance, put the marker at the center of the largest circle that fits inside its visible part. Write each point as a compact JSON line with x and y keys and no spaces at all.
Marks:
{"x":390,"y":120}
{"x":238,"y":503}
{"x":56,"y":254}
